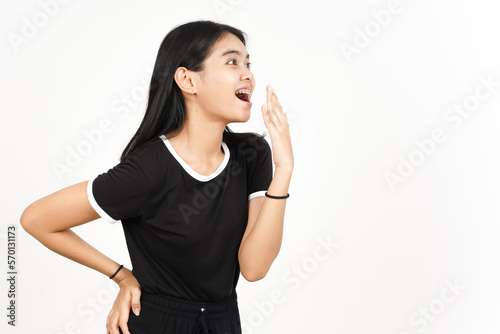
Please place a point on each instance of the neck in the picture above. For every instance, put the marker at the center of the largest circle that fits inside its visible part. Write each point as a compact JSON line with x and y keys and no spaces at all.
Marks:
{"x":200,"y":138}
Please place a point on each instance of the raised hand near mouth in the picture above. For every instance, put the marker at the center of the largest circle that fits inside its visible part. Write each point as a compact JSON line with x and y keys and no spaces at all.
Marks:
{"x":276,"y":122}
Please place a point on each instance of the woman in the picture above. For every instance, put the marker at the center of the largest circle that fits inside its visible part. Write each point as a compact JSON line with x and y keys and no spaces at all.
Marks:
{"x":198,"y":203}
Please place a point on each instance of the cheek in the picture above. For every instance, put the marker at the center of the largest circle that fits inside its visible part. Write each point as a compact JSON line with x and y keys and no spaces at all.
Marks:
{"x":218,"y":97}
{"x":218,"y":101}
{"x":218,"y":94}
{"x":221,"y":91}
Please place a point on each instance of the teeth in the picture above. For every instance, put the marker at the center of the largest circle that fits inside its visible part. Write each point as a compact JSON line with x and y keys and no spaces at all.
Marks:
{"x":243,"y":91}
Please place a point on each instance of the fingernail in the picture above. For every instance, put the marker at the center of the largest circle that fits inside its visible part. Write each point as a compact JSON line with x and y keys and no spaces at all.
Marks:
{"x":136,"y":312}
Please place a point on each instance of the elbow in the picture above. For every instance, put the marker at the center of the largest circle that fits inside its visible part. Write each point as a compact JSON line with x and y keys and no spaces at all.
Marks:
{"x":254,"y":275}
{"x":253,"y":269}
{"x":27,"y":220}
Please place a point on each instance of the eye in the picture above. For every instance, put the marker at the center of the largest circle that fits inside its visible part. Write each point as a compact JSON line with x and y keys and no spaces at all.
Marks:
{"x":248,"y":65}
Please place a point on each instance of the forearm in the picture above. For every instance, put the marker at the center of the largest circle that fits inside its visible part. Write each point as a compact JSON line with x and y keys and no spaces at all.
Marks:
{"x":263,"y":243}
{"x":70,"y":245}
{"x":50,"y":219}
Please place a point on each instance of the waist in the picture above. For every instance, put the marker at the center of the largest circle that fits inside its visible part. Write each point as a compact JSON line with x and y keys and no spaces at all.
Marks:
{"x":191,"y":308}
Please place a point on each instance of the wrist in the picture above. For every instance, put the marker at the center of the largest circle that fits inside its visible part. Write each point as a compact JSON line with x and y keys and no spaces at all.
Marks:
{"x":122,"y":274}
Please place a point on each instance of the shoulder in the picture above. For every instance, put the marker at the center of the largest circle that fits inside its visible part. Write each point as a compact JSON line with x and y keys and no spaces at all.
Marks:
{"x":148,"y":151}
{"x":148,"y":159}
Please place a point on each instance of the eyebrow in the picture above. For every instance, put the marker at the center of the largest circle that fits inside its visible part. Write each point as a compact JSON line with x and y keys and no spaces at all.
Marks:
{"x":234,"y":51}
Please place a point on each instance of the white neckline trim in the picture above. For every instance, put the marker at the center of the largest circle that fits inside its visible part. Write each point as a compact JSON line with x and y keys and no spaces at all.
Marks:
{"x":191,"y":171}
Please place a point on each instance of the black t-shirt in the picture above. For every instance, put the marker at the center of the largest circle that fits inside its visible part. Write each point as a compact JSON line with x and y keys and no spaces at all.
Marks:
{"x":183,"y":229}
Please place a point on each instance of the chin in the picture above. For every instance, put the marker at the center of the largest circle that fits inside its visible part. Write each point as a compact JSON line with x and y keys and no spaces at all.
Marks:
{"x":237,"y":116}
{"x":244,"y":117}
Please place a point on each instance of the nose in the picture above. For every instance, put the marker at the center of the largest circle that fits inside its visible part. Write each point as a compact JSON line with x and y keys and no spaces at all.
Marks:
{"x":247,"y":74}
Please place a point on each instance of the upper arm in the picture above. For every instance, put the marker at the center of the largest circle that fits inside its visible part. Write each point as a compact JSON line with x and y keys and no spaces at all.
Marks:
{"x":59,"y":211}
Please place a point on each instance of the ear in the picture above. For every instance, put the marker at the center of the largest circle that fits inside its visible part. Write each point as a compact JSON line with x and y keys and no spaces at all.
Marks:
{"x":183,"y":78}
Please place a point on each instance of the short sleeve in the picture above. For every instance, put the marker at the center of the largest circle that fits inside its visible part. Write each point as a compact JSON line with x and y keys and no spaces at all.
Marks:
{"x":122,"y":191}
{"x":260,"y":169}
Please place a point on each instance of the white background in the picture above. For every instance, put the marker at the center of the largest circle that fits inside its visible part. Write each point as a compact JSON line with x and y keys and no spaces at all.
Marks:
{"x":353,"y":119}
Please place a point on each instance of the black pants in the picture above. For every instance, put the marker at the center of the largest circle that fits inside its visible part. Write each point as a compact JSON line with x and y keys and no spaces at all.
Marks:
{"x":162,"y":314}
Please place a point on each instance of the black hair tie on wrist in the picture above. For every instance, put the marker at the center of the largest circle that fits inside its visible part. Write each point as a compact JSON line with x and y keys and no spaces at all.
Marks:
{"x":116,"y":272}
{"x":277,"y":197}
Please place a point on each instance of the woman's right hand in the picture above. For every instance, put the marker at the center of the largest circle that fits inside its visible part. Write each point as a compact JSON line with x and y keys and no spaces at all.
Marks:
{"x":128,"y":297}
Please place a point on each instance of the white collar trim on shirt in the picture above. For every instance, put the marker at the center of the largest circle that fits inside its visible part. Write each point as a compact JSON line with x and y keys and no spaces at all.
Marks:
{"x":191,"y":171}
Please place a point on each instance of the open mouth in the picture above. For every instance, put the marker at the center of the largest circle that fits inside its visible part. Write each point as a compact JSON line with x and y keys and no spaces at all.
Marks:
{"x":243,"y":94}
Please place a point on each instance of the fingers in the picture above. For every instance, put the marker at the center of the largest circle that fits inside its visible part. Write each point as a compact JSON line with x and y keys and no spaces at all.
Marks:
{"x":123,"y":319}
{"x":271,"y":107}
{"x":127,"y":298}
{"x":118,"y":316}
{"x":268,"y":97}
{"x":136,"y":301}
{"x":273,"y":110}
{"x":124,"y":329}
{"x":117,"y":321}
{"x":109,"y":322}
{"x":280,"y":113}
{"x":265,"y":115}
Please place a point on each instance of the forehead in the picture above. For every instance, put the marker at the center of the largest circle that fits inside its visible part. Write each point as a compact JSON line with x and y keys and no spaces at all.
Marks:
{"x":229,"y":45}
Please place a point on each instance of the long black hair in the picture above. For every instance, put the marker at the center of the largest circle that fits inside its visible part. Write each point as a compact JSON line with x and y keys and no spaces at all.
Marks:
{"x":187,"y":45}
